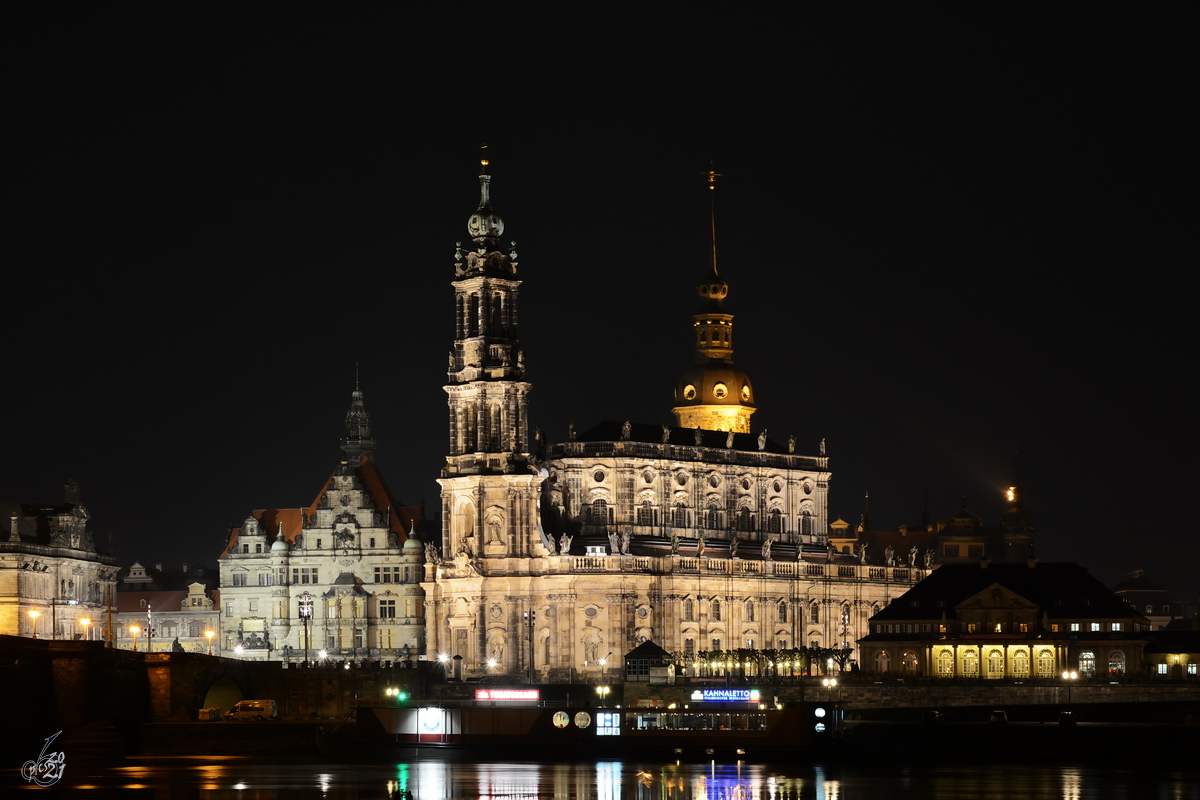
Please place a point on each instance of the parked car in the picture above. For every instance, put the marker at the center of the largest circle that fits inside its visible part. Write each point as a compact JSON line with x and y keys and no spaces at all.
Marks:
{"x":998,"y":717}
{"x":253,"y":709}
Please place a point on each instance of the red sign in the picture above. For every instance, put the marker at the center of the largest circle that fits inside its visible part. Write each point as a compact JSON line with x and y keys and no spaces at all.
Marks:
{"x":507,"y":694}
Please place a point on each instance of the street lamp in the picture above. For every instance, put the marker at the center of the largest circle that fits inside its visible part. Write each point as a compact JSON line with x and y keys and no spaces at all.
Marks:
{"x":208,"y":635}
{"x":603,"y":692}
{"x":33,"y":615}
{"x":237,"y":650}
{"x":135,"y":630}
{"x":1070,"y":676}
{"x":85,"y":622}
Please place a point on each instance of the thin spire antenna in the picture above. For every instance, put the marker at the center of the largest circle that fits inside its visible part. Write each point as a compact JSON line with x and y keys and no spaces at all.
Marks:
{"x":483,"y":157}
{"x":356,"y":376}
{"x":712,"y":176}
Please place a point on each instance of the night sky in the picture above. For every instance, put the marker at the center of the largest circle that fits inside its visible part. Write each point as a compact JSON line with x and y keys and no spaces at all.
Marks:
{"x":943,"y":242}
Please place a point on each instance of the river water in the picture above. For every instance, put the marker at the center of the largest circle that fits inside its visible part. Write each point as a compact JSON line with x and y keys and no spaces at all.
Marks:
{"x":456,"y":776}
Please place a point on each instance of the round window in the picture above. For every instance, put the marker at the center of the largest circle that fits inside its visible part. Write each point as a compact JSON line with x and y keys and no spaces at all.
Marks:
{"x":561,"y":719}
{"x":746,"y":484}
{"x":681,"y":478}
{"x":590,"y":611}
{"x":642,"y":612}
{"x":714,"y":480}
{"x":583,"y":719}
{"x":598,"y":476}
{"x":745,"y":391}
{"x":648,"y":476}
{"x":778,"y":487}
{"x":808,"y":488}
{"x":720,"y":391}
{"x":689,"y":392}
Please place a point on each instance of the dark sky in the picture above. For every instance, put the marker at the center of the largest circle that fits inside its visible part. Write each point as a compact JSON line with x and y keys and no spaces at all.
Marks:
{"x":941,"y":240}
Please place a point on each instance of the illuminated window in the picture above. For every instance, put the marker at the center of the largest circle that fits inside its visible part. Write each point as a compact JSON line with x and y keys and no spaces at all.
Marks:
{"x":945,"y":664}
{"x":1087,"y":663}
{"x":972,"y":627}
{"x":1149,"y":608}
{"x":908,"y":662}
{"x":941,"y":628}
{"x":1191,"y":670}
{"x":1116,"y":627}
{"x":1054,"y":627}
{"x":970,"y":664}
{"x":995,"y":664}
{"x":1045,"y":664}
{"x":1023,"y":627}
{"x":1020,"y":664}
{"x":1074,"y":627}
{"x":1116,"y":663}
{"x":882,"y":661}
{"x":998,"y":628}
{"x":1162,"y":669}
{"x":1095,"y":626}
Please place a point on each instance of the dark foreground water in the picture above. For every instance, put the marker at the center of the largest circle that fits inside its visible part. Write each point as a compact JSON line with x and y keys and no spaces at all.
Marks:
{"x":428,"y":778}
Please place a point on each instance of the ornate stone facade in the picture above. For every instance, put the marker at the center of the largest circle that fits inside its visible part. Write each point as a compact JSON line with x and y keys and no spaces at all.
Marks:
{"x":340,"y":576}
{"x":52,"y":575}
{"x":559,"y":559}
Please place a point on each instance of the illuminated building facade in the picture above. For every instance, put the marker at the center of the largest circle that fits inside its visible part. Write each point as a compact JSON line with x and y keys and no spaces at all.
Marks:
{"x":559,"y":558}
{"x":1006,"y":621}
{"x":52,"y":576}
{"x":341,"y":575}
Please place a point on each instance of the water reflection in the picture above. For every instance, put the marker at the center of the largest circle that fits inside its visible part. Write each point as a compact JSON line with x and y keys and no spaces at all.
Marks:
{"x":421,"y":777}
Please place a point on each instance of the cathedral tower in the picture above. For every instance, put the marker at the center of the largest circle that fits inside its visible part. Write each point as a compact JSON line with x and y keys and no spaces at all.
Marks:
{"x":488,"y":487}
{"x":714,"y":394}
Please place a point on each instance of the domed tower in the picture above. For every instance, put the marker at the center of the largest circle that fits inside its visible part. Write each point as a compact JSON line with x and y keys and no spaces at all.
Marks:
{"x":714,"y":394}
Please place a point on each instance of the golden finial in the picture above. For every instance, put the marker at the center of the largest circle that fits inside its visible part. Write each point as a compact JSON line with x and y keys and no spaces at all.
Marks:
{"x":483,"y":159}
{"x":712,"y":176}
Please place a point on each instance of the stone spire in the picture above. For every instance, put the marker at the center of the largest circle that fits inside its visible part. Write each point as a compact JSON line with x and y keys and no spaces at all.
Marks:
{"x":358,"y":442}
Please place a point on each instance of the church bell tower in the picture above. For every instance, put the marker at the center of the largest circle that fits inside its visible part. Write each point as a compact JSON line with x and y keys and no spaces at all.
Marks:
{"x":488,"y":486}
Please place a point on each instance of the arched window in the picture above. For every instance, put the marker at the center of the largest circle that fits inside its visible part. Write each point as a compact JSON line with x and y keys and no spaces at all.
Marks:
{"x":744,"y":520}
{"x":688,"y":610}
{"x":846,"y":616}
{"x":909,"y":661}
{"x":783,"y":611}
{"x":815,"y":613}
{"x":1020,"y":664}
{"x":882,"y":661}
{"x":1045,"y":664}
{"x":749,"y":611}
{"x":601,"y":513}
{"x":995,"y":664}
{"x":680,"y":519}
{"x":1087,"y":664}
{"x":970,"y":664}
{"x":714,"y":519}
{"x":775,"y":522}
{"x":1116,"y":663}
{"x":806,"y":523}
{"x":645,"y":514}
{"x":716,"y":610}
{"x":945,"y":664}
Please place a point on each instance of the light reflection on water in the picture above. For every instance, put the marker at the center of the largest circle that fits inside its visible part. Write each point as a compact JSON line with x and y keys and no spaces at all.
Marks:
{"x":428,"y":778}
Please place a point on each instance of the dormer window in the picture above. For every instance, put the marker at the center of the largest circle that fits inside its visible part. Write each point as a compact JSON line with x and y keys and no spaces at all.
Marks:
{"x":258,"y":547}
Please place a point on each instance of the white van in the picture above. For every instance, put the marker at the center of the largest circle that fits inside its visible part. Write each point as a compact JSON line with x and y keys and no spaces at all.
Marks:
{"x":253,"y":709}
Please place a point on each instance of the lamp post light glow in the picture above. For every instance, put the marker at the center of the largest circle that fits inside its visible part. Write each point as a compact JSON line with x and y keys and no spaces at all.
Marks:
{"x":85,"y":622}
{"x":209,"y":635}
{"x":1070,"y":676}
{"x":135,"y":630}
{"x":33,"y":615}
{"x":603,"y":692}
{"x":237,"y":650}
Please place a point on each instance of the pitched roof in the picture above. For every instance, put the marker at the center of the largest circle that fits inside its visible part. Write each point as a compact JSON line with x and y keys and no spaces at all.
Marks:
{"x":1060,"y":590}
{"x":131,"y":600}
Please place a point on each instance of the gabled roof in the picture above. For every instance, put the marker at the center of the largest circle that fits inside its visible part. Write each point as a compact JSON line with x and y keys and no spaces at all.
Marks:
{"x":648,"y":650}
{"x":400,"y":521}
{"x":1059,"y":590}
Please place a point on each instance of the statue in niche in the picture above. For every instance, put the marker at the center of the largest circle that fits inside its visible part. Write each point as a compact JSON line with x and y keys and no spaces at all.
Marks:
{"x":625,"y":430}
{"x":700,"y":546}
{"x":792,"y":444}
{"x":521,"y":359}
{"x":862,"y":554}
{"x":666,"y":434}
{"x":733,"y":547}
{"x":675,"y":543}
{"x":912,"y":556}
{"x":928,"y":559}
{"x":766,"y":550}
{"x":571,"y":431}
{"x":889,"y":556}
{"x":564,"y":545}
{"x":625,"y":544}
{"x":614,"y":544}
{"x":729,"y":440}
{"x":496,"y":648}
{"x":591,"y":650}
{"x":451,"y":365}
{"x":822,"y":446}
{"x":699,"y":435}
{"x":762,"y":439}
{"x":493,"y":532}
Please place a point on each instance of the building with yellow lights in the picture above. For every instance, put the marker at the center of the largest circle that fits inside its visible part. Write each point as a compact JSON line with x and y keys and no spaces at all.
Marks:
{"x":556,"y":559}
{"x":1006,"y":622}
{"x":54,"y":581}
